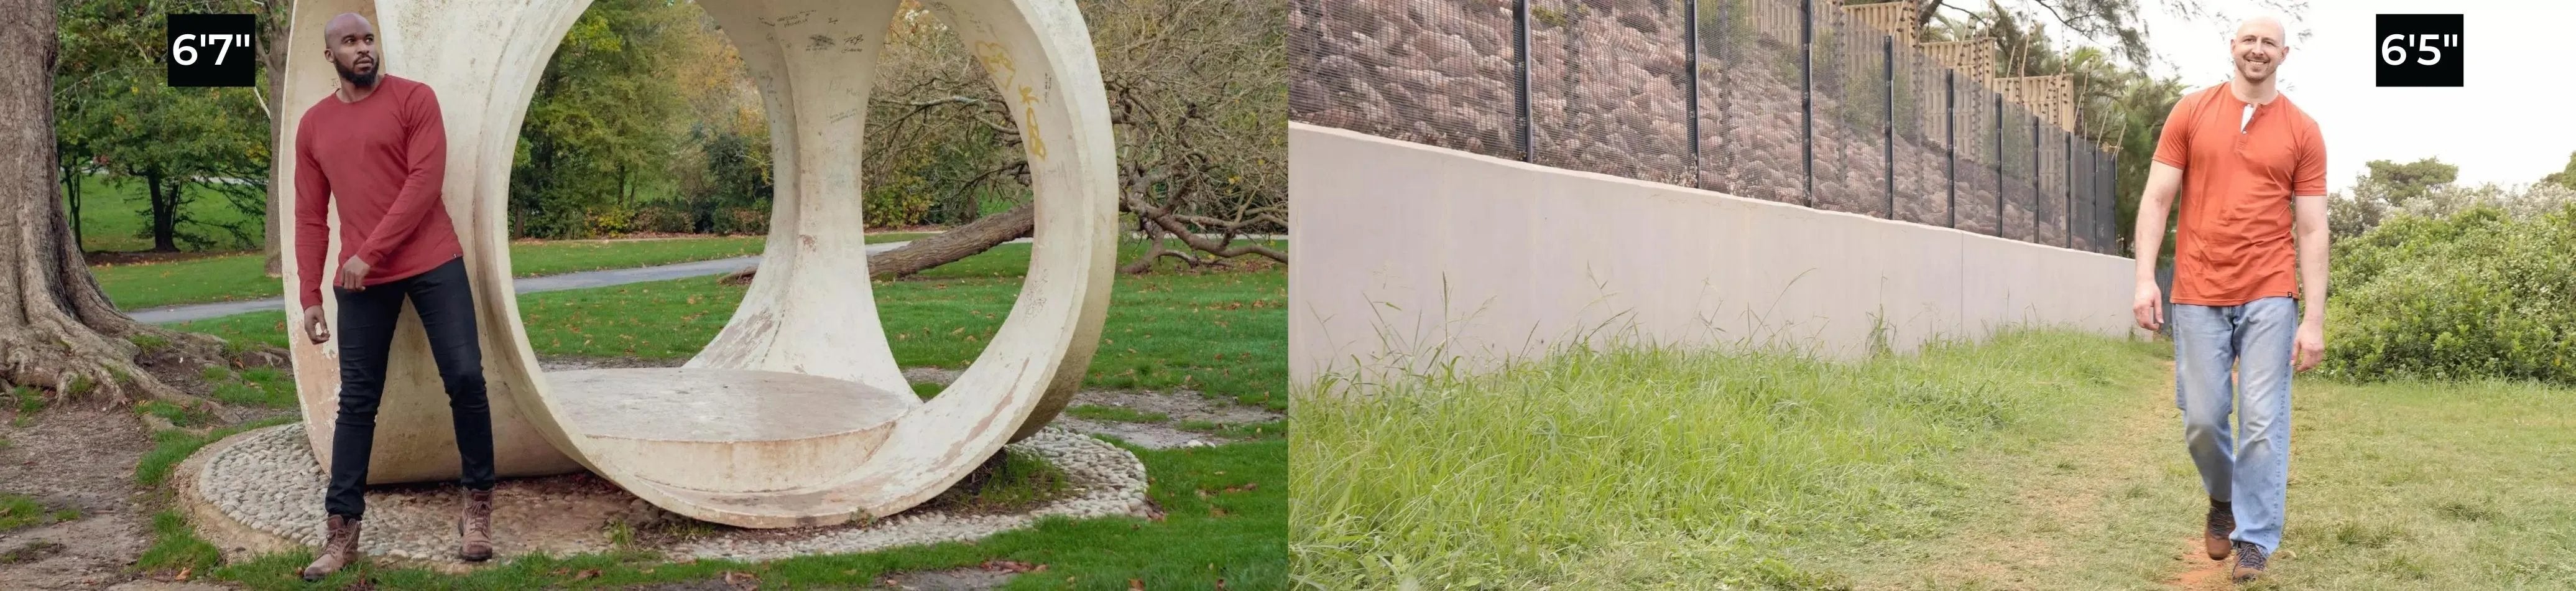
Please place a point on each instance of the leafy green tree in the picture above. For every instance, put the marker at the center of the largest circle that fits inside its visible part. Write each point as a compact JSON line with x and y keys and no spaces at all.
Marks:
{"x":601,"y":124}
{"x":2411,"y":181}
{"x":2564,"y":178}
{"x":61,"y":334}
{"x":115,"y":111}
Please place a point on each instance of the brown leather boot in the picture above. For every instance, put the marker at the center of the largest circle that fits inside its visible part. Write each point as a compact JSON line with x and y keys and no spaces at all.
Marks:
{"x":475,"y":527}
{"x":339,"y":548}
{"x":2217,"y":526}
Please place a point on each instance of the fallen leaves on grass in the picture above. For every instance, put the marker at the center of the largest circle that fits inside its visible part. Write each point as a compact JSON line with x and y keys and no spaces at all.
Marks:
{"x":1013,"y":566}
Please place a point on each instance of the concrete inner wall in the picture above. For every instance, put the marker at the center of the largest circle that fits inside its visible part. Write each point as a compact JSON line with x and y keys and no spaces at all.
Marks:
{"x":1412,"y":257}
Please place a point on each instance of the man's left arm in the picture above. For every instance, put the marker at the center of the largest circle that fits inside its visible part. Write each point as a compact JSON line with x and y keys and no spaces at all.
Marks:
{"x":2308,"y":205}
{"x":425,"y":152}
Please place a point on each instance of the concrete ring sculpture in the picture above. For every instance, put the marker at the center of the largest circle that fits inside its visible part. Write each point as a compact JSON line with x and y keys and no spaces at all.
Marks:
{"x":795,"y":414}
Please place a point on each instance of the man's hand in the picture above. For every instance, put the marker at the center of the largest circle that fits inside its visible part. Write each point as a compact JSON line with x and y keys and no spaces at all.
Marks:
{"x":314,"y":327}
{"x":2149,"y":306}
{"x":2311,"y":347}
{"x":353,"y":275}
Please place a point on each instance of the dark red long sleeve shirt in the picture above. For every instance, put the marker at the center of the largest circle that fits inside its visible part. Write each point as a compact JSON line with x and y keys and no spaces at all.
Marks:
{"x":382,"y":159}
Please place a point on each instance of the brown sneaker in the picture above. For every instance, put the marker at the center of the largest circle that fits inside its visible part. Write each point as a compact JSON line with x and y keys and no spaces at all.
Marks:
{"x":2221,"y":523}
{"x":2250,"y":562}
{"x":339,"y":548}
{"x":475,"y":527}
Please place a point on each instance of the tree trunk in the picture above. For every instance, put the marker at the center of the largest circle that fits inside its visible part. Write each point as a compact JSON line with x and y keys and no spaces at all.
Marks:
{"x":72,"y":195}
{"x":57,"y":329}
{"x":165,"y":208}
{"x":942,"y":248}
{"x":1924,"y":11}
{"x":272,"y":48}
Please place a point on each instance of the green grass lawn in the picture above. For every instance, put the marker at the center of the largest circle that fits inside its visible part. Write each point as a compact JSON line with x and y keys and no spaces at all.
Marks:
{"x":2038,"y":461}
{"x":112,"y":212}
{"x":1223,"y":333}
{"x":238,"y":277}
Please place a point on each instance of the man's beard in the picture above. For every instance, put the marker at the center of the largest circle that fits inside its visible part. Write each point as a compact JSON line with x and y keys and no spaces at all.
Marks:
{"x":367,"y":79}
{"x":2242,"y":67}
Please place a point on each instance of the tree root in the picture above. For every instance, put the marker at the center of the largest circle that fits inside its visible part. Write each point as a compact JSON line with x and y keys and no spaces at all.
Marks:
{"x":75,"y":365}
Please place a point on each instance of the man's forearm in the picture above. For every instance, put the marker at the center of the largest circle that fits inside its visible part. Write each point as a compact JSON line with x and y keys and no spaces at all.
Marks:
{"x":2312,"y":275}
{"x":2149,"y":237}
{"x":2148,"y":240}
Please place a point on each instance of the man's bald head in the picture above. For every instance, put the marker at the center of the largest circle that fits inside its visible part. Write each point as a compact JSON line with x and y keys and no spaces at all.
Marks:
{"x":344,"y":25}
{"x":2263,"y":24}
{"x":2257,"y":48}
{"x":349,"y":41}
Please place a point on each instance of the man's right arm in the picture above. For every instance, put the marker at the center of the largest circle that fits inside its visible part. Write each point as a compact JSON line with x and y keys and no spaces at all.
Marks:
{"x":2164,"y":177}
{"x":2163,"y":180}
{"x":312,"y":228}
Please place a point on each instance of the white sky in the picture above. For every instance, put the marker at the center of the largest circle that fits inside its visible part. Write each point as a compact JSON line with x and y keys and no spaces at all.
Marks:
{"x":2512,"y":122}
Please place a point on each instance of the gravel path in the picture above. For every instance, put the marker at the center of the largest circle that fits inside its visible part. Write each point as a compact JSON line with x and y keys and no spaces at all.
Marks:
{"x":268,"y":481}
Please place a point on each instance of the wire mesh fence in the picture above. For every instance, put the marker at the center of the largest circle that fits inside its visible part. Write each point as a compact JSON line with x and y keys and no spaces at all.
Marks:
{"x":1783,"y":100}
{"x":1751,"y":75}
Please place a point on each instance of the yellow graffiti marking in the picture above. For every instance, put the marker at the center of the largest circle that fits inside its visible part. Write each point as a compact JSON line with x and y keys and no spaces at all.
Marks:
{"x":1029,"y":119}
{"x":997,"y":64}
{"x":996,"y":60}
{"x":1037,"y":145}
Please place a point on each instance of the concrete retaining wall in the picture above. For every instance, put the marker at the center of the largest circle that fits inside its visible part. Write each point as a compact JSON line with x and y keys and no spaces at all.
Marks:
{"x":1412,"y":257}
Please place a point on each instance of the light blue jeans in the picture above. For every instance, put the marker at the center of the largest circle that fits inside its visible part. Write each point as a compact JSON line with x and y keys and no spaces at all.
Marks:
{"x":2252,"y":469}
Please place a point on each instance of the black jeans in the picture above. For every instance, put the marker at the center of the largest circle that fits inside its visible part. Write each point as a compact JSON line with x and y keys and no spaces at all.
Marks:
{"x":367,"y":318}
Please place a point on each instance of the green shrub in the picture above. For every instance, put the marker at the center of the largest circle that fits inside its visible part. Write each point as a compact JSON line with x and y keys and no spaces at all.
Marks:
{"x":738,"y":220}
{"x":2477,"y":294}
{"x":614,"y":219}
{"x":663,"y":218}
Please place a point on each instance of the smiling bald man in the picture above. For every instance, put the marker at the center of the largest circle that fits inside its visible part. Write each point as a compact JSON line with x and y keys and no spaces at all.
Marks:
{"x":2251,"y":243}
{"x":377,"y":147}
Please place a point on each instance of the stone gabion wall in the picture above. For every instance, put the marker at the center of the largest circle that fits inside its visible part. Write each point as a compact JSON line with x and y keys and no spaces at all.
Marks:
{"x":1610,"y":85}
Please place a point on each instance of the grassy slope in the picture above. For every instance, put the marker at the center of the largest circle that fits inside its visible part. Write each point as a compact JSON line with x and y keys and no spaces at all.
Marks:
{"x":2043,"y":461}
{"x":1219,"y":332}
{"x":238,"y":277}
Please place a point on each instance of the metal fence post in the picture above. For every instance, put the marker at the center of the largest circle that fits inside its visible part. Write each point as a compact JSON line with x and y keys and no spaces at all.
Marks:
{"x":2066,"y":199}
{"x":1690,"y":29}
{"x":1950,"y":137}
{"x":2034,"y":180}
{"x":1887,"y":63}
{"x":1999,"y":164}
{"x":2111,"y":188}
{"x":1521,"y":57}
{"x":1806,"y":94}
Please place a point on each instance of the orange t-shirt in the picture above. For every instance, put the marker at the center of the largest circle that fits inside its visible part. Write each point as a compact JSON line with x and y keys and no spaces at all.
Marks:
{"x":2238,"y":175}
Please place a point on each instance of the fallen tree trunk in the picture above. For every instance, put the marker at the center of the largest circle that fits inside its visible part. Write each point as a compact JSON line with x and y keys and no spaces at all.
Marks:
{"x":939,"y":249}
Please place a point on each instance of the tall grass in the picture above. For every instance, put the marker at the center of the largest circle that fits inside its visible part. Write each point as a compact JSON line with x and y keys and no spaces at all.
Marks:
{"x":1642,"y":466}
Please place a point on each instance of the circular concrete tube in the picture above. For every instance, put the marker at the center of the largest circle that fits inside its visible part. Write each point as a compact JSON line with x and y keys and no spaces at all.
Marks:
{"x":796,"y":413}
